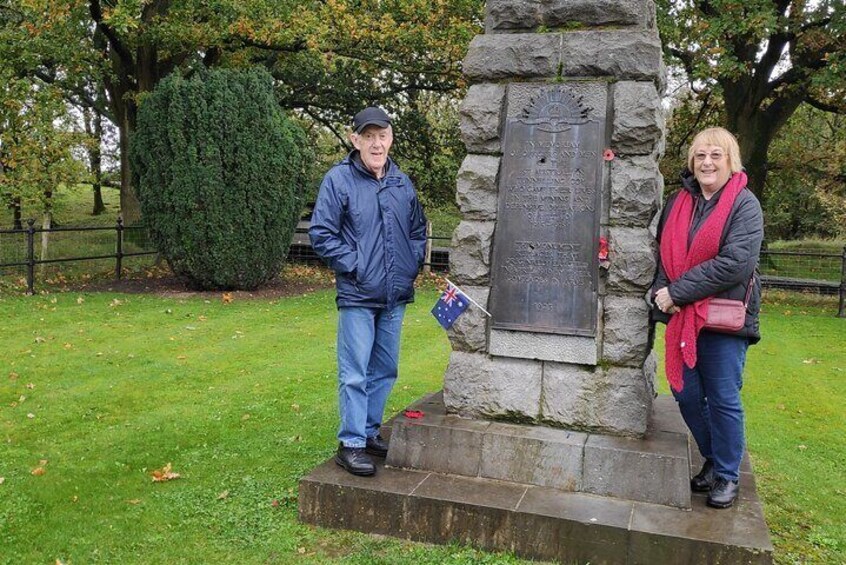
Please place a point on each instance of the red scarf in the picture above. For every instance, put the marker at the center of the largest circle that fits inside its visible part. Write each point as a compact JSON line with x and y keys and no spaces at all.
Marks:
{"x":684,"y":327}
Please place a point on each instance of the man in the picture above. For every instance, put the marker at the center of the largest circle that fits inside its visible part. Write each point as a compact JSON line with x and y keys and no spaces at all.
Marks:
{"x":370,"y":229}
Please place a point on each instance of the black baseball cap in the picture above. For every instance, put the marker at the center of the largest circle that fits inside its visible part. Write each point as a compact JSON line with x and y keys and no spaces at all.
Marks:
{"x":371,"y":116}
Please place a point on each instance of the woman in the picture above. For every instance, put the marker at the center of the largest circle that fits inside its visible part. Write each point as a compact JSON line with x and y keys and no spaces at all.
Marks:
{"x":710,"y":238}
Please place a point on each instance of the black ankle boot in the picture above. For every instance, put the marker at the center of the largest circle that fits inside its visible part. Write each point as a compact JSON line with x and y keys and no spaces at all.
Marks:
{"x":723,"y":493}
{"x":704,"y":479}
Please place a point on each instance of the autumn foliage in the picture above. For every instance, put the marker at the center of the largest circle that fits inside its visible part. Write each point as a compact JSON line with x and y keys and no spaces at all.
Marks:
{"x":220,"y":171}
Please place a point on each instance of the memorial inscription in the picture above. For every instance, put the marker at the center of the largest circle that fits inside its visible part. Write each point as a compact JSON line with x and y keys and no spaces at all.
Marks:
{"x":544,"y":258}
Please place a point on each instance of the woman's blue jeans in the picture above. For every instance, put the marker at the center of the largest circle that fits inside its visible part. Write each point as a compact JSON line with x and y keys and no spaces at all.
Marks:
{"x":710,"y":401}
{"x":368,"y":355}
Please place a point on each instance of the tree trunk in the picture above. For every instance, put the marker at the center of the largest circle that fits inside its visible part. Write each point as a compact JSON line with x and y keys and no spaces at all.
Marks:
{"x":46,"y":223}
{"x":130,"y":207}
{"x":94,"y":127}
{"x":17,"y":224}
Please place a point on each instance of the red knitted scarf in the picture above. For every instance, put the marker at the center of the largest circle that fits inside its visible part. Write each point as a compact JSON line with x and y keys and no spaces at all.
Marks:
{"x":677,"y":259}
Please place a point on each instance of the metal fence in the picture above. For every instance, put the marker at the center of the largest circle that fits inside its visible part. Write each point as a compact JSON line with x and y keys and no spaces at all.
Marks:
{"x":823,"y":273}
{"x":22,"y":248}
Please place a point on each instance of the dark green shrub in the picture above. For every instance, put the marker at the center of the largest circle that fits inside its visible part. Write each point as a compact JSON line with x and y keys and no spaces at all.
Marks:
{"x":219,"y":171}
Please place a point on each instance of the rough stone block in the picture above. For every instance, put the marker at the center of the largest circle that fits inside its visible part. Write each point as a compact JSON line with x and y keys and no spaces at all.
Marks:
{"x":626,"y":54}
{"x":493,"y":388}
{"x":636,"y":188}
{"x":697,"y":537}
{"x":469,"y":332}
{"x":632,"y":256}
{"x":543,"y":346}
{"x":476,"y":193}
{"x":614,"y":401}
{"x":504,"y":16}
{"x":617,"y":467}
{"x":437,"y":442}
{"x":524,"y":55}
{"x":480,"y":117}
{"x":626,"y":335}
{"x":573,"y":528}
{"x":470,"y":256}
{"x":533,"y":455}
{"x":638,"y":118}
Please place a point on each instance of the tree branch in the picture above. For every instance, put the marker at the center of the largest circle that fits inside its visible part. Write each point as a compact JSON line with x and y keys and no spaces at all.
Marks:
{"x":114,"y":41}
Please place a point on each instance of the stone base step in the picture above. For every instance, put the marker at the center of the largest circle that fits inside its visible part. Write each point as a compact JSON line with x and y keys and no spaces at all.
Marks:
{"x":532,"y":521}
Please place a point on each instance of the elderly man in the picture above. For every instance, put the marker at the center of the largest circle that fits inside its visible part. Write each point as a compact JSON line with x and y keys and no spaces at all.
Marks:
{"x":370,"y":229}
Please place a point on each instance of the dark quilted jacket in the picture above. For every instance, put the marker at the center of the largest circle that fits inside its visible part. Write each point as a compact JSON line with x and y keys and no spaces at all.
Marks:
{"x":729,"y":273}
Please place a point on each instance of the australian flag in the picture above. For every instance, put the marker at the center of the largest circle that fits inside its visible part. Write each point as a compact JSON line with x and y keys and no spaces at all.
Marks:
{"x":450,"y":306}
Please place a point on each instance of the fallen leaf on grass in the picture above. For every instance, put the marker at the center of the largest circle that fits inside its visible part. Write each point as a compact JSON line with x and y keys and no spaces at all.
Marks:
{"x":301,"y":550}
{"x":227,"y":297}
{"x":134,"y":501}
{"x":164,"y":474}
{"x":79,"y":300}
{"x":275,"y":503}
{"x":30,"y":386}
{"x":39,"y":339}
{"x":30,"y":415}
{"x":223,"y":496}
{"x":811,"y":361}
{"x":2,"y":480}
{"x":68,"y":346}
{"x":115,"y":302}
{"x":13,"y":376}
{"x":295,"y":407}
{"x":245,"y":417}
{"x":38,"y":471}
{"x":42,"y":461}
{"x":802,"y":447}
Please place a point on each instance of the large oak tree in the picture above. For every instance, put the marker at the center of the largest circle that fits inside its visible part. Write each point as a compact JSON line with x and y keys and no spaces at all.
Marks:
{"x":328,"y":56}
{"x":763,"y":59}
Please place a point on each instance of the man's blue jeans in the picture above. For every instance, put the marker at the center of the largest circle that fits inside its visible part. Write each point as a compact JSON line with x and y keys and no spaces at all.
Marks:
{"x":368,"y":355}
{"x":710,"y":401}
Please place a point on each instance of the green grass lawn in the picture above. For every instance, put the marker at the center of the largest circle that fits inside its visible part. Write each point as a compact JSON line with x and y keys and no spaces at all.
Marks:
{"x":99,"y":390}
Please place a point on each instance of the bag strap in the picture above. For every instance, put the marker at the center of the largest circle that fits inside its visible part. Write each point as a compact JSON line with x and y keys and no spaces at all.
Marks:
{"x":749,"y":290}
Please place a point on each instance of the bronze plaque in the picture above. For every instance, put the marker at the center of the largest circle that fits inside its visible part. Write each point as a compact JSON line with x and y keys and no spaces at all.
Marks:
{"x":544,"y":272}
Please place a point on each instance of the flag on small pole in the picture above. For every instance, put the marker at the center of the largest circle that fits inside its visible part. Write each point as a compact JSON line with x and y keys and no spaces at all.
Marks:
{"x":452,"y":303}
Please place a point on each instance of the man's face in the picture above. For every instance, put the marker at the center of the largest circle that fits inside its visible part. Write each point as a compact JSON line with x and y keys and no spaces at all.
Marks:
{"x":374,"y":143}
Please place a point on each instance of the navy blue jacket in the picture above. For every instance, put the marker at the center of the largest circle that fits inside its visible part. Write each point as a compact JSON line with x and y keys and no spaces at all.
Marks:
{"x":371,"y":232}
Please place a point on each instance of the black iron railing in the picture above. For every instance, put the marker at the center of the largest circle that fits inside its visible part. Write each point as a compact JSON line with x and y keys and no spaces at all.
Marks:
{"x":30,"y":259}
{"x":823,"y":273}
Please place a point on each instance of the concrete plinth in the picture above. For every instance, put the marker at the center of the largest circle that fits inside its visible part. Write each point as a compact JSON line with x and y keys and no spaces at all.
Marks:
{"x":560,"y":523}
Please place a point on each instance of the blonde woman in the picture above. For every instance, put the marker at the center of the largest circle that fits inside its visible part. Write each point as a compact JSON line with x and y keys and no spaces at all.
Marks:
{"x":710,"y":239}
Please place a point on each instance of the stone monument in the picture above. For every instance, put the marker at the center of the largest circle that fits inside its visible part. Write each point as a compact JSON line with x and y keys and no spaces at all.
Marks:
{"x":546,"y":439}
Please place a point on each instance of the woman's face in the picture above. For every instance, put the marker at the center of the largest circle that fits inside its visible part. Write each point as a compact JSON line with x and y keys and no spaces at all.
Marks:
{"x":711,"y":168}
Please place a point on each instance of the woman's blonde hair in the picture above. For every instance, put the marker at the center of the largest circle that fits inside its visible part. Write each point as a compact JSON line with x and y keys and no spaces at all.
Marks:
{"x":720,"y":137}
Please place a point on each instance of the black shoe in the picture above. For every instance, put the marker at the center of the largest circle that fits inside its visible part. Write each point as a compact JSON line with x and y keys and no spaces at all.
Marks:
{"x":355,"y":461}
{"x":377,"y":446}
{"x":723,"y":493}
{"x":704,"y":479}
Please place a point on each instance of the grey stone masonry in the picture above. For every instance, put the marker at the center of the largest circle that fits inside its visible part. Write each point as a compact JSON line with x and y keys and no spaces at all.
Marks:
{"x":470,"y":258}
{"x":625,"y":54}
{"x":533,"y":455}
{"x":480,"y":114}
{"x":616,"y":400}
{"x":504,"y":16}
{"x":475,"y":385}
{"x":469,"y":332}
{"x":607,"y":55}
{"x":632,"y":254}
{"x":626,"y":330}
{"x":638,"y":119}
{"x":636,"y":188}
{"x":476,"y":193}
